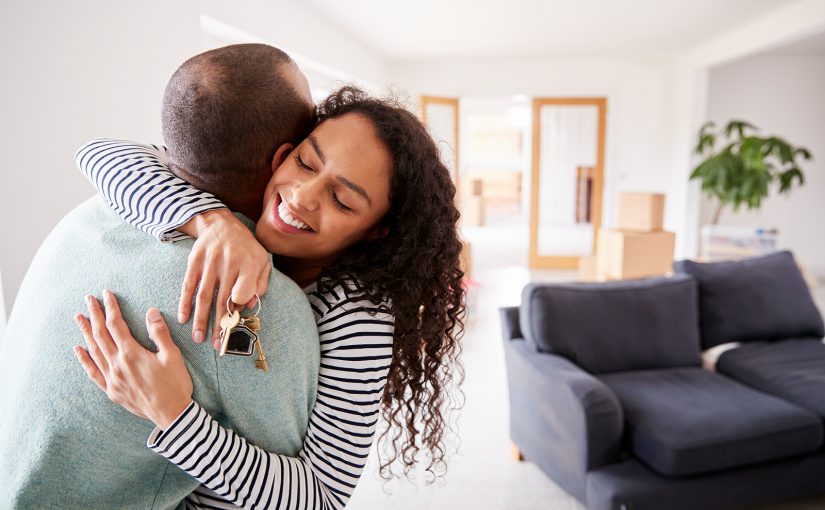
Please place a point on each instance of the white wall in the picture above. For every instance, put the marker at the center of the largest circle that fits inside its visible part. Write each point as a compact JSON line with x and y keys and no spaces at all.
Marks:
{"x":685,"y":101}
{"x":782,"y":96}
{"x":76,"y":70}
{"x":2,"y":311}
{"x":634,"y":104}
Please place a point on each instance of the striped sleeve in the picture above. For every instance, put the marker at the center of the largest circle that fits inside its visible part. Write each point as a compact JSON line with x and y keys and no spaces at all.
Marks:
{"x":137,"y":184}
{"x":356,"y":351}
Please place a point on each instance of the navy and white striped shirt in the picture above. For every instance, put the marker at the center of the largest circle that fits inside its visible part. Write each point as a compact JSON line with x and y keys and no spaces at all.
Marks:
{"x":356,"y":350}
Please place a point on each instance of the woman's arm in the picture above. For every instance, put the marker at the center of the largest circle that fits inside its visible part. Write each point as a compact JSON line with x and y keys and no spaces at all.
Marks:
{"x":356,"y":351}
{"x":137,"y":184}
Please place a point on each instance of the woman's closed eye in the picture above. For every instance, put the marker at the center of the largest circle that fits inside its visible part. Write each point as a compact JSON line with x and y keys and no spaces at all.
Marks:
{"x":340,"y":205}
{"x":335,"y":200}
{"x":302,"y":165}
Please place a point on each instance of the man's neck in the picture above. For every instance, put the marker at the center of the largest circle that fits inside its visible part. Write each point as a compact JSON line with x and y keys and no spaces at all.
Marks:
{"x":248,"y":204}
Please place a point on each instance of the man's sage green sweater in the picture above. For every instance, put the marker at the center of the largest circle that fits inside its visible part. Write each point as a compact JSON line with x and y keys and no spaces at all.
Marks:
{"x":63,"y":444}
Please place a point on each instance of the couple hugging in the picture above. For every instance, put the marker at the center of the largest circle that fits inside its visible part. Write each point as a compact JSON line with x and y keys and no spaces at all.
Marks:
{"x":355,"y":211}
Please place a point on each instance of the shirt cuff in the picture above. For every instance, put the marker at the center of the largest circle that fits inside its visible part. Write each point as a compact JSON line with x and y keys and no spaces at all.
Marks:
{"x":170,"y":232}
{"x":159,"y":440}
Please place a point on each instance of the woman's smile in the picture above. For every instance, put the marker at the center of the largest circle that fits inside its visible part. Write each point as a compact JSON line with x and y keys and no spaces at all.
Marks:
{"x":286,"y":221}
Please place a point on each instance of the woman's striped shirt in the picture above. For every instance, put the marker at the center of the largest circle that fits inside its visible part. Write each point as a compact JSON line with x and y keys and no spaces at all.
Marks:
{"x":356,"y":350}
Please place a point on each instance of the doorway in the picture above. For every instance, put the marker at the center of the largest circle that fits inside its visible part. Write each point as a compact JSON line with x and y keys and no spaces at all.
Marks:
{"x":567,"y":180}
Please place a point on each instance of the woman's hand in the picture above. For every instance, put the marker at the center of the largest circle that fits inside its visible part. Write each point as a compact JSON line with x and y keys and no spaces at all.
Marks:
{"x":151,"y":385}
{"x":227,"y":256}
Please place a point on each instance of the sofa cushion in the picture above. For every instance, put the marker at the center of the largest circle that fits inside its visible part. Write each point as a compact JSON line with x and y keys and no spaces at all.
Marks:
{"x":615,"y":326}
{"x":790,"y":369}
{"x":761,"y":298}
{"x":686,"y":421}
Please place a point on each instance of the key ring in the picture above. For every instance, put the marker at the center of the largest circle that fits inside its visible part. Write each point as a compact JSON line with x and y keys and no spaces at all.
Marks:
{"x":229,"y":301}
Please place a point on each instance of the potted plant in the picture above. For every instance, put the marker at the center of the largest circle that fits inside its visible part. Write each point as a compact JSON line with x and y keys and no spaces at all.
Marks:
{"x":743,"y":171}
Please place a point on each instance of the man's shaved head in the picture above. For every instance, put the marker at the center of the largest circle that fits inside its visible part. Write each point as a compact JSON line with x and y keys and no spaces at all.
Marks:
{"x":226,"y":111}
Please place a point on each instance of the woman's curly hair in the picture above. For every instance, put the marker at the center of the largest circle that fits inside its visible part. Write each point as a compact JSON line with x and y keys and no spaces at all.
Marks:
{"x":416,"y":266}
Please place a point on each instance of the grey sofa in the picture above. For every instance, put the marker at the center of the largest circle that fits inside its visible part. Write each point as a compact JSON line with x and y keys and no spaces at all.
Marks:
{"x":608,"y":395}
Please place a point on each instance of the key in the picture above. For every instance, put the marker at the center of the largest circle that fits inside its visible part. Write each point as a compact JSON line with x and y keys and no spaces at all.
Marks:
{"x":228,"y":321}
{"x":260,"y":363}
{"x":253,"y":323}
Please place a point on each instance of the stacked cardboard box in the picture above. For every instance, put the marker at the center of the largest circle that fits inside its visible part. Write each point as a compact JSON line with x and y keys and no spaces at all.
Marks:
{"x":639,"y":247}
{"x":472,"y":206}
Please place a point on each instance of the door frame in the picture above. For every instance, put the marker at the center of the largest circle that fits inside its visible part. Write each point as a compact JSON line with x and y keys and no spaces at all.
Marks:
{"x":426,"y":100}
{"x":537,"y":261}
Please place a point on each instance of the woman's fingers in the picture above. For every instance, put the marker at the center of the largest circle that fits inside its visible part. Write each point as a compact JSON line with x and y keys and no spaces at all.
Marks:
{"x":203,"y":304}
{"x":220,"y":311}
{"x":245,"y":288}
{"x":114,"y":322}
{"x":93,"y":350}
{"x":263,"y":280}
{"x":190,"y":284}
{"x":100,"y":331}
{"x":160,"y":335}
{"x":89,"y":366}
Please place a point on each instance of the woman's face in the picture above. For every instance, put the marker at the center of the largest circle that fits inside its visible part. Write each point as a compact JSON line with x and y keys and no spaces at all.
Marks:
{"x":329,"y":193}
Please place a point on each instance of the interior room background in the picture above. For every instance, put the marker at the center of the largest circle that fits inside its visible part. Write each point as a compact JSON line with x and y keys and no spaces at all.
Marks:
{"x":74,"y":71}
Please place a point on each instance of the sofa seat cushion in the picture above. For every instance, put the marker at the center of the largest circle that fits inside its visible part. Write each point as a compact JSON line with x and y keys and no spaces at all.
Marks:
{"x":791,"y":369}
{"x":686,"y":421}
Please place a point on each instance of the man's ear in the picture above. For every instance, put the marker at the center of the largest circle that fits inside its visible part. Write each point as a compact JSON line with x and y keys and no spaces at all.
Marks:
{"x":280,"y":155}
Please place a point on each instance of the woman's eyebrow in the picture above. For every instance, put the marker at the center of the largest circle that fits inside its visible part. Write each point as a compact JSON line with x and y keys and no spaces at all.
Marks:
{"x":314,"y":142}
{"x":354,"y":187}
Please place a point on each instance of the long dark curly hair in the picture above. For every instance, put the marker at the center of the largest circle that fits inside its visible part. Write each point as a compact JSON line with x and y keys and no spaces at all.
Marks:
{"x":416,"y":266}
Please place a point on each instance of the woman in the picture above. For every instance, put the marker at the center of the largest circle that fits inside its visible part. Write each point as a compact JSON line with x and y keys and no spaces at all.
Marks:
{"x":383,"y":248}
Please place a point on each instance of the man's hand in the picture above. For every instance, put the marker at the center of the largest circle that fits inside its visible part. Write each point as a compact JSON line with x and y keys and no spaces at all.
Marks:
{"x":155,"y":386}
{"x":227,"y":256}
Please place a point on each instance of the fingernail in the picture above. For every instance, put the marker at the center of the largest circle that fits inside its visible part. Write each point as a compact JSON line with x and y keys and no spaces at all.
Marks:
{"x":197,"y":335}
{"x":89,"y":298}
{"x":107,"y":293}
{"x":216,"y":343}
{"x":181,"y":317}
{"x":153,"y":315}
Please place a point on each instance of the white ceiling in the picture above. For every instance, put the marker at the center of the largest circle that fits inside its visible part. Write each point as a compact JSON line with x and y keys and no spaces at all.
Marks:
{"x":423,"y":29}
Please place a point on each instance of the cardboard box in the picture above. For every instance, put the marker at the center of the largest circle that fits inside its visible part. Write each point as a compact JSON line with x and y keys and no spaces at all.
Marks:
{"x":641,"y":212}
{"x":472,"y":211}
{"x":466,"y":258}
{"x":587,"y":269}
{"x":624,"y":255}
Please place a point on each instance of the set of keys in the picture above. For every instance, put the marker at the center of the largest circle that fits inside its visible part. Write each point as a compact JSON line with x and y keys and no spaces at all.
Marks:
{"x":239,"y":335}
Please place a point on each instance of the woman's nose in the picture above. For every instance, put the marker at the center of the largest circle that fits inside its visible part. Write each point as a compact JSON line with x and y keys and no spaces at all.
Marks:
{"x":305,"y":194}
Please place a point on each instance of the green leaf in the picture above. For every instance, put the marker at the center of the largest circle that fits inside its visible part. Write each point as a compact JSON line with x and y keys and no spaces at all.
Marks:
{"x":739,"y":126}
{"x":787,"y":177}
{"x":707,"y":139}
{"x":802,"y":151}
{"x":784,"y":183}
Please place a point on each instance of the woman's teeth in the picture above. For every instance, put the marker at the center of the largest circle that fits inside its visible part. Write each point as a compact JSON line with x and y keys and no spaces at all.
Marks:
{"x":283,"y":212}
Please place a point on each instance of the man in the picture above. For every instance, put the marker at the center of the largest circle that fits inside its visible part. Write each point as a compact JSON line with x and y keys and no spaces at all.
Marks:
{"x":63,"y":445}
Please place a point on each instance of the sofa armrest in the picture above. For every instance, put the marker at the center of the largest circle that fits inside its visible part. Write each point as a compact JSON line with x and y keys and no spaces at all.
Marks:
{"x":510,"y":326}
{"x":561,"y":417}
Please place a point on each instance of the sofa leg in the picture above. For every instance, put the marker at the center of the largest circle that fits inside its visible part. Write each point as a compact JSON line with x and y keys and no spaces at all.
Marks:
{"x":516,"y":453}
